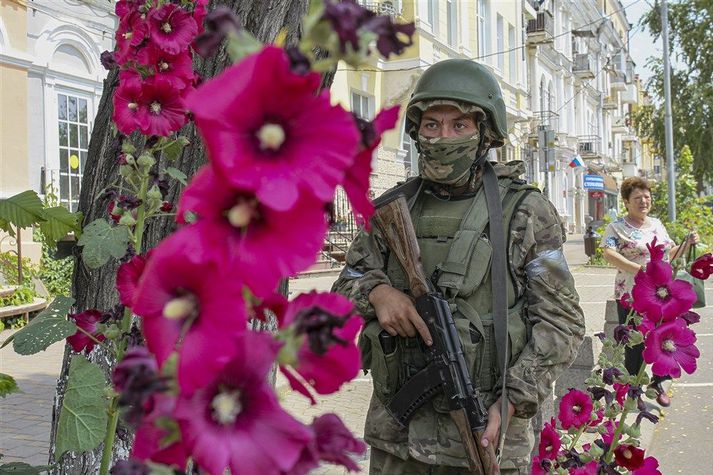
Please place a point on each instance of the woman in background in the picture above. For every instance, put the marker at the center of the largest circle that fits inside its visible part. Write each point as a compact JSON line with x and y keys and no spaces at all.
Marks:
{"x":624,"y":246}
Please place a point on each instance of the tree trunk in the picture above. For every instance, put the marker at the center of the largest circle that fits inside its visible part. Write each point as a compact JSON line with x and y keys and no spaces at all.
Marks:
{"x":95,"y":288}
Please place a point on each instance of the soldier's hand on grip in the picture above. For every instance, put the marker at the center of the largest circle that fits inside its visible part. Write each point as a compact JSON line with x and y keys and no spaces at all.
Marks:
{"x":397,"y":314}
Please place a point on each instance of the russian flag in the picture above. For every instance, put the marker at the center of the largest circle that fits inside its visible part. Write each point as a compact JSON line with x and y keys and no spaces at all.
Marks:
{"x":576,"y":162}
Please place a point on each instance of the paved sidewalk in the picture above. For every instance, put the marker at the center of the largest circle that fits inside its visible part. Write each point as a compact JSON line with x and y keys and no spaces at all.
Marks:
{"x":25,"y":418}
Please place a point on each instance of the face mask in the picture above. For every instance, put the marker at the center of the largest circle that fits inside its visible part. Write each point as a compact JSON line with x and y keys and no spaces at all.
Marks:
{"x":447,"y":160}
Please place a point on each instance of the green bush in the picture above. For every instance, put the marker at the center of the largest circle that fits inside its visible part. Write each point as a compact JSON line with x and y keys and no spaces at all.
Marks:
{"x":8,"y":268}
{"x":56,"y":274}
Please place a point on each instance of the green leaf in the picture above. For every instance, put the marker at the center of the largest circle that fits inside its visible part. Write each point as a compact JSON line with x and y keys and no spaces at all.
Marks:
{"x":7,"y":385}
{"x":50,"y":326}
{"x":59,"y":222}
{"x":242,"y":44}
{"x":83,"y":417}
{"x":21,"y":211}
{"x":177,"y":174}
{"x":22,"y":468}
{"x":101,"y":241}
{"x":128,"y":147}
{"x":174,"y":148}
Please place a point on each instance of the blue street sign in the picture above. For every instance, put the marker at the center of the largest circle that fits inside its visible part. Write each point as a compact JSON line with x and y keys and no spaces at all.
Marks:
{"x":594,"y":182}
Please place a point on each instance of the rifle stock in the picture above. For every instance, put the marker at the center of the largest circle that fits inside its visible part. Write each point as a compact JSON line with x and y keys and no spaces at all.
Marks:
{"x":394,"y":221}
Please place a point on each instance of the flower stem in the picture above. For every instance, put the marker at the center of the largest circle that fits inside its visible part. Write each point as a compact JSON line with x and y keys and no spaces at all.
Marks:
{"x":125,"y":327}
{"x":617,"y":433}
{"x":576,"y":438}
{"x":93,"y":338}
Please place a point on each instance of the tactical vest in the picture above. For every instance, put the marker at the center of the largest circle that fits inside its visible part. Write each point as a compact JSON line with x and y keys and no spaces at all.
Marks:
{"x":456,"y":251}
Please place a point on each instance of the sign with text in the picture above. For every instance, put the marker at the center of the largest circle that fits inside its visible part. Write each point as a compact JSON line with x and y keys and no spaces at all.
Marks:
{"x":594,"y":182}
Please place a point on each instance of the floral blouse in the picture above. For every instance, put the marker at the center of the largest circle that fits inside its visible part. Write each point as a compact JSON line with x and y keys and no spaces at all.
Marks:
{"x":630,"y":242}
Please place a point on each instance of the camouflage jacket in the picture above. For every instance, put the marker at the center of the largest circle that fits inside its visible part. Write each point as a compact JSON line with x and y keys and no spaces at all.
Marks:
{"x":547,"y":287}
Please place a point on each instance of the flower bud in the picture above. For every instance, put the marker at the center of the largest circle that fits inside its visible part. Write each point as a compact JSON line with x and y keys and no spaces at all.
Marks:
{"x":145,"y":161}
{"x":127,"y":220}
{"x":154,"y":193}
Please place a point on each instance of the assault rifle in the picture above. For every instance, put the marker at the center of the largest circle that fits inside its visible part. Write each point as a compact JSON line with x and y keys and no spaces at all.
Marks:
{"x":446,"y":371}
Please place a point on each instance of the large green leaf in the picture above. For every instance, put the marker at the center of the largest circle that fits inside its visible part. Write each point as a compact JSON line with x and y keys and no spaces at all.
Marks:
{"x":48,"y":327}
{"x":7,"y":385}
{"x":83,"y":417}
{"x":177,"y":174}
{"x":59,"y":222}
{"x":21,"y":211}
{"x":101,"y":241}
{"x":173,"y":149}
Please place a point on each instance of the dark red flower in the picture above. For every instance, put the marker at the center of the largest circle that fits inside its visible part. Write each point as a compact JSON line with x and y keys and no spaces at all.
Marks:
{"x":127,"y":278}
{"x":392,"y":37}
{"x":656,"y":250}
{"x":702,"y":268}
{"x":87,"y":321}
{"x":347,"y":18}
{"x":218,"y":23}
{"x":629,"y":457}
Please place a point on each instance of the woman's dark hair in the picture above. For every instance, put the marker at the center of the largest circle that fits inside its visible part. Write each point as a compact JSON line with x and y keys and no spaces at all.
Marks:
{"x":628,"y":186}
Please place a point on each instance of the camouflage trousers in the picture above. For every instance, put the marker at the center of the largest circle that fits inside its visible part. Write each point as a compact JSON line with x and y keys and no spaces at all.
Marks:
{"x":519,"y":442}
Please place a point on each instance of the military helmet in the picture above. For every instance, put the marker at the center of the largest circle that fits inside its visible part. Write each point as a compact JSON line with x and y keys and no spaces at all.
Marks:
{"x":462,"y":80}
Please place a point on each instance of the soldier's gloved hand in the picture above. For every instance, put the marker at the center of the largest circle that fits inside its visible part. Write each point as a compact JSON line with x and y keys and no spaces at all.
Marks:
{"x":492,"y":430}
{"x":396,"y":313}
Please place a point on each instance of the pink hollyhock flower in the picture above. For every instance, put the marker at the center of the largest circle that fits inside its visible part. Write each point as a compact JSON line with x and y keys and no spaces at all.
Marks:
{"x":645,"y":326}
{"x":254,"y":234}
{"x":332,"y":443}
{"x":149,"y":442}
{"x":267,"y":130}
{"x":236,"y":421}
{"x":356,"y":180}
{"x":176,"y":68}
{"x":592,"y":468}
{"x":656,"y":251}
{"x":658,"y":296}
{"x":130,"y":34}
{"x":670,"y":347}
{"x":575,"y":409}
{"x":124,"y":7}
{"x":185,"y":299}
{"x":690,"y":318}
{"x":629,"y":457}
{"x":702,"y":268}
{"x":126,"y":104}
{"x":541,"y":466}
{"x":610,"y":428}
{"x":161,"y":110}
{"x":625,"y":300}
{"x":621,"y":391}
{"x":550,"y":442}
{"x":172,"y":28}
{"x":87,"y":321}
{"x":649,"y":467}
{"x":199,"y":13}
{"x":328,"y":356}
{"x":127,"y":278}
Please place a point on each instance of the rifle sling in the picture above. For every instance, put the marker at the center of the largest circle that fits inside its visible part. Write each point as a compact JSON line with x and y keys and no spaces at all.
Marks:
{"x":498,"y":276}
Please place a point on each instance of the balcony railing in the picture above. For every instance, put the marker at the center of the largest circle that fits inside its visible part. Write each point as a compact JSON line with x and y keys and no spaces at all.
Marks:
{"x":545,"y":119}
{"x":382,"y":8}
{"x":589,"y":146}
{"x":582,"y":66}
{"x":618,"y":81}
{"x":541,"y":30}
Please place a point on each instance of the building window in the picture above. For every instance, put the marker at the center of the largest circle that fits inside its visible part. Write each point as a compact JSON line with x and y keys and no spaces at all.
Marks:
{"x":73,"y":128}
{"x":512,"y":54}
{"x":500,"y":31}
{"x":451,"y":13}
{"x":363,"y":105}
{"x":483,"y":30}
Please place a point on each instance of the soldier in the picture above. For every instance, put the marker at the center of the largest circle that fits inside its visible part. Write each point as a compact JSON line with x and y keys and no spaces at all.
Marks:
{"x":456,"y":115}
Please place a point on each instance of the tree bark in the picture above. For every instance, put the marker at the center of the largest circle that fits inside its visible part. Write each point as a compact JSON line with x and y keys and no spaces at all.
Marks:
{"x":96,"y":288}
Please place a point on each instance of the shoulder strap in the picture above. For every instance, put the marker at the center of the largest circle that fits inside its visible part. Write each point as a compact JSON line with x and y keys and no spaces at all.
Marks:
{"x":409,"y":189}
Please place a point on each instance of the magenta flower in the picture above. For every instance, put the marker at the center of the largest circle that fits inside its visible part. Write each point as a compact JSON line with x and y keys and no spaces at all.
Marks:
{"x":608,"y":436}
{"x":649,"y":467}
{"x":172,"y":28}
{"x":199,"y":13}
{"x":702,"y":268}
{"x":328,"y":356}
{"x":267,"y":130}
{"x":390,"y":34}
{"x":575,"y":409}
{"x":176,"y":68}
{"x":130,"y":34}
{"x":670,"y":347}
{"x":656,"y":251}
{"x":625,"y":300}
{"x":161,"y":110}
{"x":127,"y":277}
{"x":126,"y":104}
{"x":236,"y":420}
{"x":186,"y":300}
{"x":253,"y":235}
{"x":149,"y":442}
{"x":658,"y":296}
{"x":550,"y":442}
{"x":621,"y":391}
{"x":629,"y":457}
{"x":540,"y":466}
{"x":87,"y":321}
{"x":356,"y":181}
{"x":690,"y":318}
